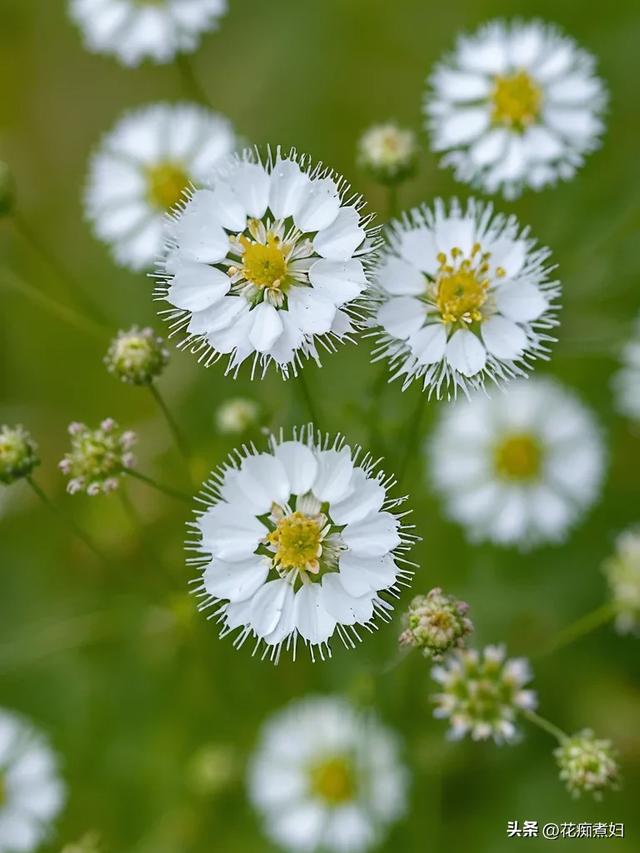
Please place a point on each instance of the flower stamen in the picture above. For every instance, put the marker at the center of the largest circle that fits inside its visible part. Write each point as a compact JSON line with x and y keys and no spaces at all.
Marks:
{"x":516,"y":100}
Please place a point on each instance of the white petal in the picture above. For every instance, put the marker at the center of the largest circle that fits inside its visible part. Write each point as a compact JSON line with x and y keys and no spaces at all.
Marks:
{"x":334,"y":474}
{"x":465,"y":353}
{"x":288,"y":186}
{"x":400,"y":278}
{"x":373,"y":536}
{"x":264,"y":479}
{"x":362,"y":575}
{"x":319,"y":205}
{"x":287,"y":622}
{"x":576,"y":124}
{"x":509,"y":254}
{"x":227,"y":208}
{"x":197,"y":286}
{"x":267,"y":606}
{"x":199,"y":236}
{"x":573,"y":89}
{"x":313,"y":622}
{"x":230,"y":534}
{"x":219,"y":316}
{"x":428,"y":344}
{"x":236,"y":581}
{"x":542,"y":145}
{"x":310,"y":311}
{"x":459,"y":86}
{"x":419,"y":248}
{"x":485,"y":53}
{"x":401,"y":316}
{"x":300,"y":464}
{"x":365,"y":496}
{"x":345,"y":609}
{"x":503,"y":338}
{"x":520,"y":301}
{"x":266,"y":328}
{"x":457,"y":231}
{"x":251,"y":184}
{"x":338,"y":281}
{"x":490,"y":147}
{"x":462,"y":126}
{"x":340,"y":240}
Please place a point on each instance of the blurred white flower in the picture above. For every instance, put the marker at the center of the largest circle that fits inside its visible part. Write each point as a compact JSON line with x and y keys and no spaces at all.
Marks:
{"x":326,"y":777}
{"x":301,"y":541}
{"x":268,"y":263}
{"x":134,"y":30}
{"x":31,"y":791}
{"x":142,"y":169}
{"x":622,"y":570}
{"x":520,"y":468}
{"x":482,"y":693}
{"x":465,"y":297}
{"x":388,"y":153}
{"x":626,"y":382}
{"x":516,"y":104}
{"x":237,"y":415}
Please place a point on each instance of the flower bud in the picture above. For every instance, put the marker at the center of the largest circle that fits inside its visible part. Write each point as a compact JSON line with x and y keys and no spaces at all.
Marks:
{"x":436,"y":623}
{"x":388,"y":153}
{"x":97,"y":457}
{"x":137,"y":356}
{"x":237,"y":415}
{"x":622,"y":571}
{"x":18,"y":454}
{"x":587,"y":764}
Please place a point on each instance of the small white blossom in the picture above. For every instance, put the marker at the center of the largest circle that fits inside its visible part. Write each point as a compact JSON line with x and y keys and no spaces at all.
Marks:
{"x":516,"y":104}
{"x":97,"y":458}
{"x":326,"y":777}
{"x":622,"y":571}
{"x":626,"y":382}
{"x":465,"y":297}
{"x":134,"y":30}
{"x":18,"y":454}
{"x":520,"y":468}
{"x":269,"y":262}
{"x":588,"y":764}
{"x":388,"y":153}
{"x":143,"y":168}
{"x":31,"y":791}
{"x":237,"y":415}
{"x":302,"y":541}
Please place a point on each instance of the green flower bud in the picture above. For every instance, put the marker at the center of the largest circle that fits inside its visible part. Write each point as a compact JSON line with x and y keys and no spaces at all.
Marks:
{"x":18,"y":454}
{"x":436,"y":623}
{"x":587,"y":764}
{"x":137,"y":356}
{"x":98,"y":457}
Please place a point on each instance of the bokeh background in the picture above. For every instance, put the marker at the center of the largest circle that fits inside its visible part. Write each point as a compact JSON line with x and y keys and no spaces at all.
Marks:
{"x":153,"y":715}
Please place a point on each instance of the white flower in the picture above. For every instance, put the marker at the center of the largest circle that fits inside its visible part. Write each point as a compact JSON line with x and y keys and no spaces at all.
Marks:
{"x":388,"y":153}
{"x":134,"y":30}
{"x":301,"y":541}
{"x":626,"y":382}
{"x":268,"y":262}
{"x":464,"y":297}
{"x":517,"y":104}
{"x":237,"y":415}
{"x":31,"y":792}
{"x":326,"y":777}
{"x":482,"y":693}
{"x":622,"y":570}
{"x":142,"y":169}
{"x":520,"y":468}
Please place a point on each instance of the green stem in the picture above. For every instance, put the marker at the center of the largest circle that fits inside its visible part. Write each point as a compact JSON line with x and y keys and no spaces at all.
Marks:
{"x":373,"y":415}
{"x":581,"y":627}
{"x":545,"y":725}
{"x":190,"y":83}
{"x":392,"y":201}
{"x":173,"y":426}
{"x":307,"y":398}
{"x":77,"y":530}
{"x":413,"y":435}
{"x":167,"y":490}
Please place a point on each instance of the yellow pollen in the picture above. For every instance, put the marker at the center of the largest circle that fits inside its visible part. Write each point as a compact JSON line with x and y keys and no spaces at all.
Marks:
{"x":166,"y":183}
{"x":516,"y":100}
{"x":264,"y":265}
{"x":333,"y":780}
{"x":297,"y":540}
{"x":518,"y":457}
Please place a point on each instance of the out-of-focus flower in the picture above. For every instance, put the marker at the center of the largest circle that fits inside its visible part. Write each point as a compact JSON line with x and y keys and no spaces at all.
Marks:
{"x":302,"y":541}
{"x":134,"y":30}
{"x":137,"y":356}
{"x":436,"y":623}
{"x":88,"y":844}
{"x":482,"y":693}
{"x":98,"y":457}
{"x":143,"y":168}
{"x":626,"y":382}
{"x":237,"y":415}
{"x":519,"y":468}
{"x":465,"y":298}
{"x":31,"y":791}
{"x":388,"y":153}
{"x":587,"y":764}
{"x":517,"y":104}
{"x":327,"y":777}
{"x":213,"y":769}
{"x":18,"y":454}
{"x":622,"y":571}
{"x":7,"y":189}
{"x":267,"y":263}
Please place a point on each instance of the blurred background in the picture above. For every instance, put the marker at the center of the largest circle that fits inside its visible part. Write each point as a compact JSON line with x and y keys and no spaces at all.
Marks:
{"x":153,"y":715}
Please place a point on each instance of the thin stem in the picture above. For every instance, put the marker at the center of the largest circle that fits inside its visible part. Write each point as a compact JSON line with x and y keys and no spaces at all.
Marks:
{"x":545,"y":725}
{"x":190,"y":83}
{"x":412,"y":436}
{"x":77,"y":530}
{"x":307,"y":398}
{"x":167,"y":490}
{"x":173,"y":426}
{"x":582,"y":626}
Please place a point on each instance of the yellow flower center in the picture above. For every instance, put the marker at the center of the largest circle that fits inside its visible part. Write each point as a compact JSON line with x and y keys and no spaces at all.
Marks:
{"x":518,"y":457}
{"x":166,"y":183}
{"x":264,"y":264}
{"x":297,"y":542}
{"x":461,"y":286}
{"x":516,"y":99}
{"x":333,"y":780}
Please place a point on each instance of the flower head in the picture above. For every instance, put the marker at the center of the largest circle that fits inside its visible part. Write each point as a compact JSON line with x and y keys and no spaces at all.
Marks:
{"x":18,"y":454}
{"x":622,"y":571}
{"x":520,"y":468}
{"x":237,"y":415}
{"x":388,"y":153}
{"x":482,"y":693}
{"x":31,"y":791}
{"x":267,"y":263}
{"x":137,"y":356}
{"x":516,"y":104}
{"x":134,"y":30}
{"x":327,"y":777}
{"x":465,"y":297}
{"x":626,"y":382}
{"x":143,"y":168}
{"x":587,"y":764}
{"x":7,"y":189}
{"x":98,"y":457}
{"x":436,"y":623}
{"x":302,"y":541}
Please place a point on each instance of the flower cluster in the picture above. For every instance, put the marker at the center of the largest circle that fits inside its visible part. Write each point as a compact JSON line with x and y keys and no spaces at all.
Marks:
{"x":436,"y":623}
{"x":388,"y":153}
{"x":481,"y":693}
{"x":587,"y":764}
{"x":137,"y":356}
{"x":18,"y":454}
{"x":98,"y":457}
{"x":622,"y":571}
